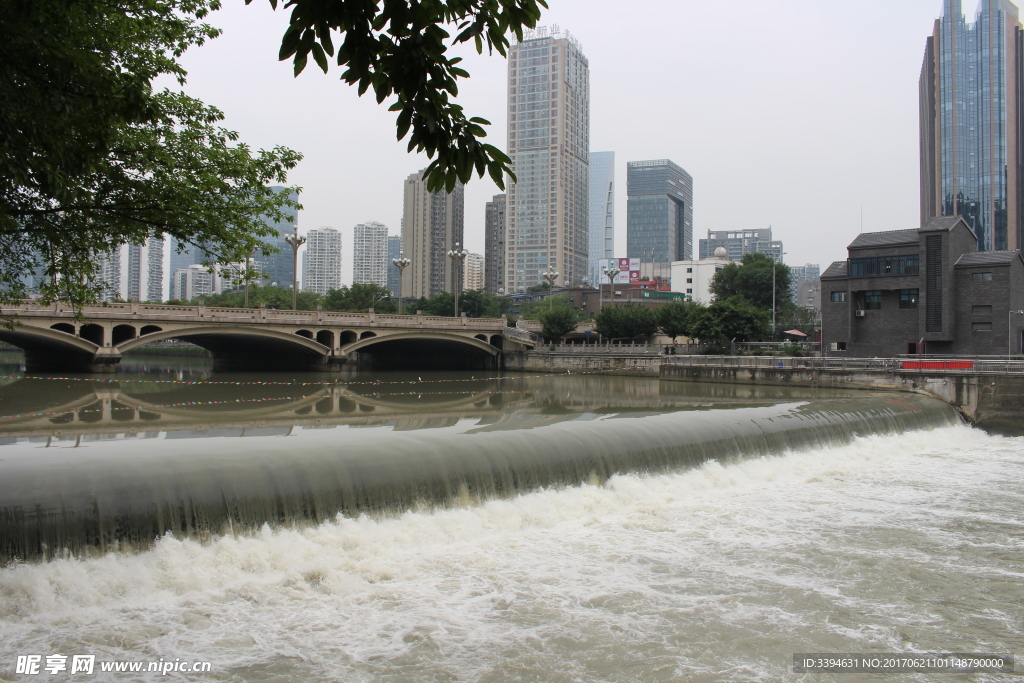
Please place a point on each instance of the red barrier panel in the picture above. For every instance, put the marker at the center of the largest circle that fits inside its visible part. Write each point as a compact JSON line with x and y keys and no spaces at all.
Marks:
{"x":937,"y":365}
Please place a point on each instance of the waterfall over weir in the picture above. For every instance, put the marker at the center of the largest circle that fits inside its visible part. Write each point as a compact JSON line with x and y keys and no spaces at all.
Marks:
{"x":124,"y":493}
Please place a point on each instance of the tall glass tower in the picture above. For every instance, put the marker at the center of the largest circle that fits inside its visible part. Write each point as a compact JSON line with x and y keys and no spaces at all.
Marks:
{"x":659,"y":212}
{"x":602,"y":212}
{"x":971,"y":129}
{"x":548,"y":215}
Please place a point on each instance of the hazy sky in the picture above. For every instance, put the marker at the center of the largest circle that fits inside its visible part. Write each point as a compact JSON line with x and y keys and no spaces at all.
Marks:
{"x":799,"y":114}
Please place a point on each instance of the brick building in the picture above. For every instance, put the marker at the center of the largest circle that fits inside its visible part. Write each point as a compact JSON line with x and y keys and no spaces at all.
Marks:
{"x":927,"y":290}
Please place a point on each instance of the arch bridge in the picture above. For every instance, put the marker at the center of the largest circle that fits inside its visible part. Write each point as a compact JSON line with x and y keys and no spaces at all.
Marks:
{"x":94,"y":338}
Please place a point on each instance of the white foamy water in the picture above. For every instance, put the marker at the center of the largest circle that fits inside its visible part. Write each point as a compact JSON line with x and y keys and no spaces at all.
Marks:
{"x":899,"y":543}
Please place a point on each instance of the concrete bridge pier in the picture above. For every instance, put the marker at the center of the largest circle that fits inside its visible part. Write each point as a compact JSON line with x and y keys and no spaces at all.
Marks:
{"x":103,"y":361}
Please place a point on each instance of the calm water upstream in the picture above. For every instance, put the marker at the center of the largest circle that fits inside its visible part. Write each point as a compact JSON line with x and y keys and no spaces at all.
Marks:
{"x":477,"y":527}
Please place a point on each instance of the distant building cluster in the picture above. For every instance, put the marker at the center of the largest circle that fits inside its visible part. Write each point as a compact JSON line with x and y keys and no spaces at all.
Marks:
{"x":558,"y":217}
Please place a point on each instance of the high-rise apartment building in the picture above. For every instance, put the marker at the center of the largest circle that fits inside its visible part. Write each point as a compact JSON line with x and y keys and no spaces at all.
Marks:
{"x":370,"y":254}
{"x":494,"y":245}
{"x":739,"y":243}
{"x":432,"y":224}
{"x":601,"y":240}
{"x":277,"y":267}
{"x":133,"y":271}
{"x":321,"y":265}
{"x":473,"y":272}
{"x":547,"y":217}
{"x":394,"y":251}
{"x":972,"y":122}
{"x":659,"y":212}
{"x":195,"y":281}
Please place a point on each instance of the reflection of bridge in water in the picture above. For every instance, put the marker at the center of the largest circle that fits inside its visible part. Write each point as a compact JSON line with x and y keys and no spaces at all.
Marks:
{"x":28,"y":407}
{"x":53,"y":337}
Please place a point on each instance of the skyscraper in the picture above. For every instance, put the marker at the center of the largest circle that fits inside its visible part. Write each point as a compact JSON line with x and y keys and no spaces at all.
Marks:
{"x":277,"y":267}
{"x":494,"y":245}
{"x":549,"y":142}
{"x":601,"y":242}
{"x":133,"y":271}
{"x":659,"y":212}
{"x":370,"y":254}
{"x":321,"y":265}
{"x":394,"y":251}
{"x":432,"y":224}
{"x":972,"y":130}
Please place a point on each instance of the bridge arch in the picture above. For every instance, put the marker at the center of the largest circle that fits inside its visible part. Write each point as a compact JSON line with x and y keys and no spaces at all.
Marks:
{"x":424,"y":350}
{"x":48,"y":348}
{"x":245,"y":346}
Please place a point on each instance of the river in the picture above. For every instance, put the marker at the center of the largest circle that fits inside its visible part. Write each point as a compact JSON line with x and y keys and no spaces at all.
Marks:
{"x":471,"y":527}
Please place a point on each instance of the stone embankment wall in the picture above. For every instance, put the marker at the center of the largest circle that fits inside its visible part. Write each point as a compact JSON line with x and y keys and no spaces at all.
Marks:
{"x":539,"y":361}
{"x":995,"y":400}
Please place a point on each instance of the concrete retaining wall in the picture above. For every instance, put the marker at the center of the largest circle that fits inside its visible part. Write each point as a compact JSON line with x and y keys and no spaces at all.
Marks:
{"x":989,"y":400}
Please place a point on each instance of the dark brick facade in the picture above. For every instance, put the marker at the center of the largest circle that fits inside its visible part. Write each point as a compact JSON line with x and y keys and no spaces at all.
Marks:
{"x":901,"y":288}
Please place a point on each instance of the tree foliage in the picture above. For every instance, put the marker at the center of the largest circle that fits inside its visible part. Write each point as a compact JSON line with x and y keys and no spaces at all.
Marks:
{"x":475,"y":303}
{"x":92,"y":157}
{"x":733,"y":318}
{"x":558,"y":322}
{"x":626,"y":322}
{"x":271,"y":297}
{"x":752,"y":279}
{"x":360,"y":298}
{"x":676,"y":318}
{"x":399,"y":50}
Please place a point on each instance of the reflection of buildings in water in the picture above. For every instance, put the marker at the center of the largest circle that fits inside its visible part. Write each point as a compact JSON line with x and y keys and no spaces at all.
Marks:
{"x":58,"y":409}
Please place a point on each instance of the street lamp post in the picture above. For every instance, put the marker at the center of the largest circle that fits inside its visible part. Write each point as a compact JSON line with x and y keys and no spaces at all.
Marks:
{"x":294,"y":241}
{"x":610,"y":272}
{"x":457,"y":256}
{"x":774,"y":264}
{"x":550,"y":278}
{"x":401,"y":263}
{"x":245,"y":275}
{"x":1009,"y":332}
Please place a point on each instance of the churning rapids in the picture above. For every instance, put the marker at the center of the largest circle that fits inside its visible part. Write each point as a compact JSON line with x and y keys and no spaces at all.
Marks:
{"x":460,"y":527}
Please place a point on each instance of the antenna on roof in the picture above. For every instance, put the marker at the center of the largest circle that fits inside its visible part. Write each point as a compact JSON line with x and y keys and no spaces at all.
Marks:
{"x":862,"y":219}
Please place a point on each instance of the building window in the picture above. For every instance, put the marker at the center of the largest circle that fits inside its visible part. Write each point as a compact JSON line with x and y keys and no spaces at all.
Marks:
{"x":908,"y":264}
{"x":689,"y":280}
{"x":981,"y":277}
{"x":689,"y":291}
{"x":908,"y":298}
{"x":872,"y":300}
{"x":981,"y":327}
{"x":838,"y":346}
{"x":838,"y":297}
{"x":981,"y":310}
{"x":689,"y":270}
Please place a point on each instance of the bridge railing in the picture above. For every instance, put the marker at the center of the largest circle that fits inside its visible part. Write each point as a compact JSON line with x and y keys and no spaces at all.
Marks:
{"x":137,"y":311}
{"x":890,"y":365}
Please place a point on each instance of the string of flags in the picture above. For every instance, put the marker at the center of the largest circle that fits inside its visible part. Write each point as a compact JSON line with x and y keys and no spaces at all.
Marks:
{"x":375,"y":382}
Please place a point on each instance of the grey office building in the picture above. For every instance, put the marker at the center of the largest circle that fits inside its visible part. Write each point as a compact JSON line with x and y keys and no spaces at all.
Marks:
{"x":277,"y":268}
{"x":972,"y":122}
{"x":601,"y":244}
{"x":739,"y":243}
{"x":494,"y":245}
{"x":659,"y":212}
{"x":394,"y":251}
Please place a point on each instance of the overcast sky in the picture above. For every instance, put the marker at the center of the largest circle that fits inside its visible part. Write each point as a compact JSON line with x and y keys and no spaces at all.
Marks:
{"x":799,"y":114}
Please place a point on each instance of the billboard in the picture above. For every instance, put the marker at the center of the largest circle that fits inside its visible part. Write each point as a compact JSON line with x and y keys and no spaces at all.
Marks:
{"x":629,"y":270}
